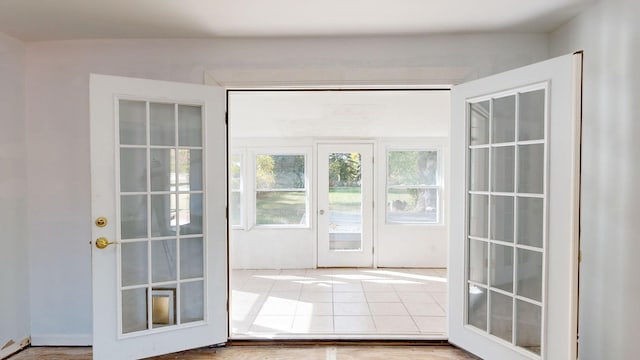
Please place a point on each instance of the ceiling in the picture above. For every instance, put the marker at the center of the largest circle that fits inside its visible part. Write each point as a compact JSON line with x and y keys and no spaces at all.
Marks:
{"x":42,"y":20}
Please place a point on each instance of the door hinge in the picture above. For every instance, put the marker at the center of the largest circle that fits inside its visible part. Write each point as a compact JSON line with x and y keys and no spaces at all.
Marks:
{"x":579,"y":256}
{"x":226,"y":118}
{"x":226,"y":212}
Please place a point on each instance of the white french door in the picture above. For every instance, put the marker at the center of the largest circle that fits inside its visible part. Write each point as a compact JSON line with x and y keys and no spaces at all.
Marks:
{"x":515,"y":146}
{"x":159,"y":249}
{"x":345,"y":205}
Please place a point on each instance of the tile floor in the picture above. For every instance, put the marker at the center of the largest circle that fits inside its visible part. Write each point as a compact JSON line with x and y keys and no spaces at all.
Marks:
{"x":339,"y":303}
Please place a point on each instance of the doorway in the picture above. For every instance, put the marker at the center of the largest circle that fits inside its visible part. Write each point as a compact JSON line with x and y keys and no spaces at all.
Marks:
{"x":308,"y":206}
{"x":345,"y":205}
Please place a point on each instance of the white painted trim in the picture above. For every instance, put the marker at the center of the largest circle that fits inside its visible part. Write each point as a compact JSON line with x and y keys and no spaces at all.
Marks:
{"x":61,"y":340}
{"x":319,"y":78}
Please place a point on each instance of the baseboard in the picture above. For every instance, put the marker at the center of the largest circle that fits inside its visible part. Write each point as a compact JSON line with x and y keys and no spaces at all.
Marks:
{"x":61,"y":340}
{"x":14,"y":348}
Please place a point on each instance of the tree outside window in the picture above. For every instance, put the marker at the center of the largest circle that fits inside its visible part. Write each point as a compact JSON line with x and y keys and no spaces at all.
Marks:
{"x":281,"y":194}
{"x":413,"y":188}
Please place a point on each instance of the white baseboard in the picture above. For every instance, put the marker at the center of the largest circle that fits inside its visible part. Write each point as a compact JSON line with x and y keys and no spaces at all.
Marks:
{"x":61,"y":340}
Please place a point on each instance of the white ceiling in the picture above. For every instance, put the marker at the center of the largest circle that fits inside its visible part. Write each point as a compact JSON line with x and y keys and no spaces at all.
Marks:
{"x":41,"y":20}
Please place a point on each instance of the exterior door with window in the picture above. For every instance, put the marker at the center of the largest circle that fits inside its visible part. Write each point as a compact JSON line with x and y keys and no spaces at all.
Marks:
{"x":515,"y":143}
{"x":345,"y":205}
{"x":159,"y":257}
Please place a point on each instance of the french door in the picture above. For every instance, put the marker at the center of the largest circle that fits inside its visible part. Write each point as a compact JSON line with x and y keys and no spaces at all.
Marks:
{"x":515,"y":146}
{"x":345,"y":205}
{"x":159,"y":246}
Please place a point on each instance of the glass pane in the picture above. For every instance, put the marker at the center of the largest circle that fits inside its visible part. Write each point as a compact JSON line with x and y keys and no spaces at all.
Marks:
{"x":531,"y":168}
{"x":530,"y":274}
{"x":189,"y":125}
{"x":501,"y":316}
{"x":133,"y":170}
{"x":134,"y":258}
{"x":479,"y":172}
{"x":478,"y":261}
{"x":163,"y":260}
{"x":477,"y":311}
{"x":162,"y":124}
{"x":192,"y":301}
{"x":163,"y":306}
{"x":478,"y":219}
{"x":190,"y":213}
{"x":235,"y":174}
{"x":504,"y":119}
{"x":502,"y":169}
{"x":412,"y":206}
{"x":528,"y":326}
{"x":479,"y":119}
{"x":502,"y":218}
{"x":280,"y":172}
{"x":404,"y":167}
{"x":163,"y":169}
{"x":345,"y":201}
{"x":502,"y":267}
{"x":235,"y":208}
{"x":281,"y":207}
{"x":163,"y":215}
{"x":134,"y":310}
{"x":133,"y":122}
{"x":133,"y":216}
{"x":189,"y":170}
{"x":531,"y":116}
{"x":191,"y":258}
{"x":530,"y":221}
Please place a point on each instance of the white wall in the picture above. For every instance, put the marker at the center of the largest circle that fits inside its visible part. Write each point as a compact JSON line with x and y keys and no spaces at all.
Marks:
{"x":57,"y":87}
{"x":14,"y":269}
{"x":609,"y":34}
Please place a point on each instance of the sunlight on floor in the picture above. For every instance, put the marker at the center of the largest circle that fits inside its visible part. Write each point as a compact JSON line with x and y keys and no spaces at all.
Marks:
{"x":342,"y":303}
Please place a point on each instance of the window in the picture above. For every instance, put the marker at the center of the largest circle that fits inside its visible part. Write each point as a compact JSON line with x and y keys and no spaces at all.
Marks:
{"x":235,"y":187}
{"x":281,"y":190}
{"x":413,"y":187}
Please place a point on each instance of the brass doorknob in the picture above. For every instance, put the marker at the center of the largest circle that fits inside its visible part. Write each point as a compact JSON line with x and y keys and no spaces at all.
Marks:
{"x":102,"y":243}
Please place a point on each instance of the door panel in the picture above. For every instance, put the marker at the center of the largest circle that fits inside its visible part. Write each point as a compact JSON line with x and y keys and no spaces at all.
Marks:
{"x":345,"y":205}
{"x":159,"y":274}
{"x":514,"y":213}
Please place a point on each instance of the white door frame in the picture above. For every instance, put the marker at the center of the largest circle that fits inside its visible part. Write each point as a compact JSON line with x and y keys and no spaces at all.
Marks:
{"x":371,"y":220}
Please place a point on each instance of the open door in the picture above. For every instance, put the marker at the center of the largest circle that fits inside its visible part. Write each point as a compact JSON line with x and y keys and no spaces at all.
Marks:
{"x":513,"y":259}
{"x":159,"y":249}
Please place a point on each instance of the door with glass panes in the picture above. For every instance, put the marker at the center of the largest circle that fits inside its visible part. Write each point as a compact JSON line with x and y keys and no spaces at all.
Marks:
{"x":345,"y":205}
{"x":515,"y":142}
{"x":158,"y":208}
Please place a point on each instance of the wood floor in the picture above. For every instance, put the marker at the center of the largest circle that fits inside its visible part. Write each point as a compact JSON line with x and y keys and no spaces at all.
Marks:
{"x":273,"y":352}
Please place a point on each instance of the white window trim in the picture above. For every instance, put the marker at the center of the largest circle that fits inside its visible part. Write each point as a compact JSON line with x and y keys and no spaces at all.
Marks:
{"x":242,"y":191}
{"x":304,"y":151}
{"x":439,"y":183}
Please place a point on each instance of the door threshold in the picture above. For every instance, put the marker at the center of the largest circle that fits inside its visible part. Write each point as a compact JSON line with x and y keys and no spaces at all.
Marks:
{"x":436,"y":338}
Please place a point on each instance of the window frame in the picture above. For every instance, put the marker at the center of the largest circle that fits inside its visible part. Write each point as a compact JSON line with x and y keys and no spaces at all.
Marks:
{"x":241,"y":190}
{"x":293,"y":151}
{"x":438,"y":185}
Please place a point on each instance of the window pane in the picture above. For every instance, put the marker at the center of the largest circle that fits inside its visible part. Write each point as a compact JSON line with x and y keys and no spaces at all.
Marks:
{"x":235,"y":167}
{"x":531,"y":116}
{"x":281,"y":208}
{"x":479,"y":119}
{"x":133,"y":122}
{"x":412,"y":206}
{"x":412,"y":168}
{"x":504,"y":119}
{"x":280,"y":172}
{"x":477,"y":307}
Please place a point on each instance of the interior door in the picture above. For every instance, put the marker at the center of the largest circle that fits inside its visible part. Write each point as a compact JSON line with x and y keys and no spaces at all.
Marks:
{"x":345,"y":205}
{"x":514,"y":212}
{"x":159,"y":250}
